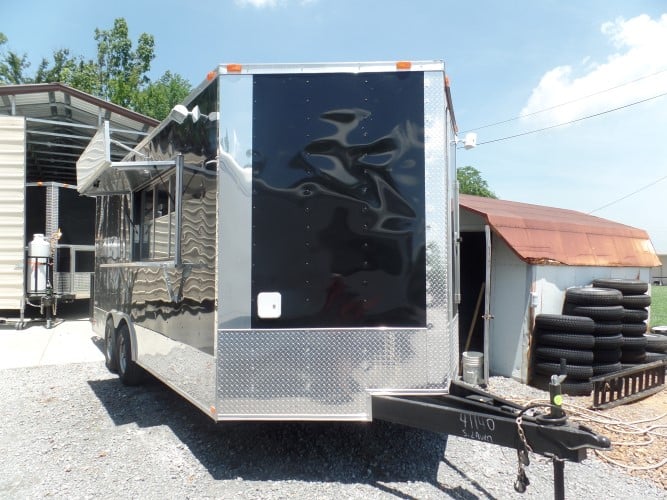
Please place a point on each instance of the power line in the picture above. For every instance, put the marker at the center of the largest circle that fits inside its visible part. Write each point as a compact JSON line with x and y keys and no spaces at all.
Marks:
{"x":566,"y":102}
{"x":651,"y":184}
{"x":571,"y":121}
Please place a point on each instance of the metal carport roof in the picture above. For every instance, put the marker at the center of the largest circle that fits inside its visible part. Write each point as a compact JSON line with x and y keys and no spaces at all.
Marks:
{"x":60,"y":121}
{"x":547,"y":235}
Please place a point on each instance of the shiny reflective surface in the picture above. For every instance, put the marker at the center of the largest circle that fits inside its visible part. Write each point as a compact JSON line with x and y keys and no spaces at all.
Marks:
{"x":338,"y":199}
{"x":331,"y":190}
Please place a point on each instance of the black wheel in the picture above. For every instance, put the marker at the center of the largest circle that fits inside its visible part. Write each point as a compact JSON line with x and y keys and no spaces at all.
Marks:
{"x":633,"y":357}
{"x":110,"y":353}
{"x":634,"y":343}
{"x":591,"y":296}
{"x":634,"y":315}
{"x":656,"y":342}
{"x":598,"y":313}
{"x":608,"y":327}
{"x":608,"y":341}
{"x":625,"y":286}
{"x":603,"y":369}
{"x":633,"y":329}
{"x":606,"y":356}
{"x":577,"y":388}
{"x":128,"y":371}
{"x":567,"y":340}
{"x":636,"y":301}
{"x":575,"y":356}
{"x":654,"y":356}
{"x":578,"y":372}
{"x":564,"y":323}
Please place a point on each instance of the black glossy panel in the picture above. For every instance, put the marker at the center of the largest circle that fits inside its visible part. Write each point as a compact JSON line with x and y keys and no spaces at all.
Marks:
{"x":338,"y":199}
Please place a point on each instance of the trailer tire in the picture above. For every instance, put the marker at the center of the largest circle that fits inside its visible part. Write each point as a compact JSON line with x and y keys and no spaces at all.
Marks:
{"x":603,"y":369}
{"x":605,"y":356}
{"x":609,"y":341}
{"x":599,"y":313}
{"x":110,"y":352}
{"x":129,"y":372}
{"x":633,"y":329}
{"x":593,"y":296}
{"x":608,"y":327}
{"x":579,"y":372}
{"x":654,"y":356}
{"x":576,"y":356}
{"x":634,"y":343}
{"x":633,"y":357}
{"x":625,"y":286}
{"x":656,"y":342}
{"x":577,"y":388}
{"x":564,"y":323}
{"x":634,"y":315}
{"x":567,"y":340}
{"x":636,"y":301}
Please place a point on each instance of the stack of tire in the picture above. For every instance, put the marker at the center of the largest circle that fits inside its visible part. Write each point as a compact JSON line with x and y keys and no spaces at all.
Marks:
{"x":634,"y":301}
{"x":559,"y":337}
{"x":605,"y":308}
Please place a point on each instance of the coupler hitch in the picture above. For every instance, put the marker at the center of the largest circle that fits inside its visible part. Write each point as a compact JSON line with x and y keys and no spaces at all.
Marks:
{"x":475,"y":414}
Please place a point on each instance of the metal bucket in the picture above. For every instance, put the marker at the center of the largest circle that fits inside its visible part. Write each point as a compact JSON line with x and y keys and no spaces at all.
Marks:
{"x":472,"y":362}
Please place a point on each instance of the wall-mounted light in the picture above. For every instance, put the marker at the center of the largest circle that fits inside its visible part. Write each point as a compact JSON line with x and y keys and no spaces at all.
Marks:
{"x":469,"y":142}
{"x":179,"y":113}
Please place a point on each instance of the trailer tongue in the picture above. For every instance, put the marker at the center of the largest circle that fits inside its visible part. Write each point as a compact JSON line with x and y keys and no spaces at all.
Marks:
{"x":474,"y":414}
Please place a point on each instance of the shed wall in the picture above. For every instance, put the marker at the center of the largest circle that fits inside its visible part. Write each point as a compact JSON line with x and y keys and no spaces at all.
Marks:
{"x":12,"y":208}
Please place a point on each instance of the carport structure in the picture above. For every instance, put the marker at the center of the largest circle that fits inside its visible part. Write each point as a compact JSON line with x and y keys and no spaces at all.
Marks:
{"x":44,"y":128}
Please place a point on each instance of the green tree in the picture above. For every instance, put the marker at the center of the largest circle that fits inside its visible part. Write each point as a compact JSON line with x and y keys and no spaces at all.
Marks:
{"x":159,"y":97}
{"x":471,"y":182}
{"x":73,"y":71}
{"x":118,"y":74}
{"x":12,"y":65}
{"x":123,"y":72}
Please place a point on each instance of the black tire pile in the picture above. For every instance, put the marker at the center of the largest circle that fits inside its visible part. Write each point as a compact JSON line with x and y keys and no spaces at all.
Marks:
{"x":571,"y":338}
{"x":601,"y":331}
{"x":633,"y":327}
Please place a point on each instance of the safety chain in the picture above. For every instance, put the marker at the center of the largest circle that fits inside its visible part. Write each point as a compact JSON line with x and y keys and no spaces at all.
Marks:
{"x":522,"y":455}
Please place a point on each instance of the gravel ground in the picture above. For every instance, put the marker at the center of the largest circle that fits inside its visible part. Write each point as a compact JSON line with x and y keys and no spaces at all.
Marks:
{"x":74,"y":431}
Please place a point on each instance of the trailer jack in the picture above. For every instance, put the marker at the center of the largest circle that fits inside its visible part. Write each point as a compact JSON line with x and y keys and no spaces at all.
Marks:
{"x":474,"y":414}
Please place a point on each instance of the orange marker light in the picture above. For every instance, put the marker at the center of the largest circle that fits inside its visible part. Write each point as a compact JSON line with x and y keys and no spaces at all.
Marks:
{"x":403,"y":65}
{"x":234,"y":68}
{"x":211,"y":75}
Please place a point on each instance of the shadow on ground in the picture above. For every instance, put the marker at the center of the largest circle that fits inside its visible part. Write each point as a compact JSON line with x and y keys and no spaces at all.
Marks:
{"x":361,"y":453}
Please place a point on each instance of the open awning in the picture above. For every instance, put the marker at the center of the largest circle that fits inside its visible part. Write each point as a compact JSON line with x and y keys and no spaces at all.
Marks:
{"x":547,"y":235}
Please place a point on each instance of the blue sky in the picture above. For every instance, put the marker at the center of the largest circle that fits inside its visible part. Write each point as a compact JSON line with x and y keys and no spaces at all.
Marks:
{"x":504,"y":59}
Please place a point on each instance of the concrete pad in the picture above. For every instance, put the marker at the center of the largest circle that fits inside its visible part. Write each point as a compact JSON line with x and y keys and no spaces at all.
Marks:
{"x":71,"y":341}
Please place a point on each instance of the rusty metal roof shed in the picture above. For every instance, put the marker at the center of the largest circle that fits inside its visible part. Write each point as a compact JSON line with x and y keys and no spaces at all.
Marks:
{"x":555,"y":236}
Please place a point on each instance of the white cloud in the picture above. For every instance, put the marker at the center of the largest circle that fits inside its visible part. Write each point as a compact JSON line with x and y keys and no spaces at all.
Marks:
{"x":639,"y":45}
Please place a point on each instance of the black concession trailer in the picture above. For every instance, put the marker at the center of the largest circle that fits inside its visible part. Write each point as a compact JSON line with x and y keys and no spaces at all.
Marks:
{"x":284,"y":246}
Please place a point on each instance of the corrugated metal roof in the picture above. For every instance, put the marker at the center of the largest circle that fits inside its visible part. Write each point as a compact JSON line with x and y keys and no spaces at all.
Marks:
{"x":60,"y":121}
{"x":546,"y":235}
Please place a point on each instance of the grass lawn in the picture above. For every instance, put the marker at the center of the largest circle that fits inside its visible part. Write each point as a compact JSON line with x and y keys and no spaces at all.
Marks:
{"x":658,"y":305}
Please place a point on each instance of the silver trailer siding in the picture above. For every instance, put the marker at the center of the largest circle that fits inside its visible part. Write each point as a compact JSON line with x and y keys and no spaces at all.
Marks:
{"x":291,"y":252}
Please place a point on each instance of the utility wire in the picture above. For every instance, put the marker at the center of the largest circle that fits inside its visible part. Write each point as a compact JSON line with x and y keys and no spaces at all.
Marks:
{"x":651,"y":184}
{"x":571,"y":121}
{"x":566,"y":103}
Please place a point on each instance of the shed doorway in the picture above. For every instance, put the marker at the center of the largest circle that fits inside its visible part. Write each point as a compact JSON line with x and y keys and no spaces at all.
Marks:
{"x":475,"y":286}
